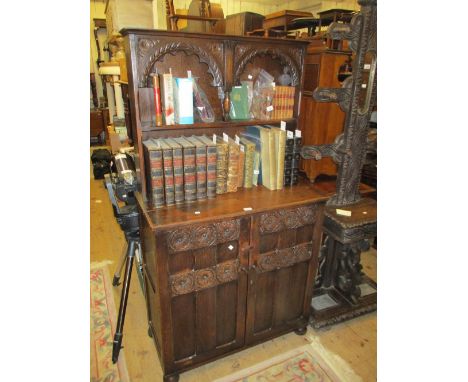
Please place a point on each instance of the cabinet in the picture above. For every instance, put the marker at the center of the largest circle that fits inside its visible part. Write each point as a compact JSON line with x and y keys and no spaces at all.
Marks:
{"x":321,"y":123}
{"x":226,"y":273}
{"x":226,"y":279}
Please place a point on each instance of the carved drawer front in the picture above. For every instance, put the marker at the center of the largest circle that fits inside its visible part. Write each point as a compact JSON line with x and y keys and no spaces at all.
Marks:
{"x":207,"y":289}
{"x":281,"y":254}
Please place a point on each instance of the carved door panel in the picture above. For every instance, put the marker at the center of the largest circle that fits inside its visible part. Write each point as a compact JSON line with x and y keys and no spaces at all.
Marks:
{"x":281,"y":271}
{"x":207,"y":289}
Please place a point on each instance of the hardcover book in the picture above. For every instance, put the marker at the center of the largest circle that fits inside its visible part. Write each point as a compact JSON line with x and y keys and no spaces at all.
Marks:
{"x":240,"y":177}
{"x":268,"y":155}
{"x":153,"y":154}
{"x":167,"y":97}
{"x":168,"y":172}
{"x":239,"y":102}
{"x":178,"y":168}
{"x":288,"y":161}
{"x":183,"y":100}
{"x":233,"y":165}
{"x":249,"y":151}
{"x":280,"y":147}
{"x":190,"y":169}
{"x":211,"y":156}
{"x":296,"y":159}
{"x":157,"y":100}
{"x":222,"y":153}
{"x":200,"y":162}
{"x":283,"y":102}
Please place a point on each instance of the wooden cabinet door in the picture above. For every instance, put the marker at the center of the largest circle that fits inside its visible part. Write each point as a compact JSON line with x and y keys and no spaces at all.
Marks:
{"x":283,"y":262}
{"x":207,"y":289}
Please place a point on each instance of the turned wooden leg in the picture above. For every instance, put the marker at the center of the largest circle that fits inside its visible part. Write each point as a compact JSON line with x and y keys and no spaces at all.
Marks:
{"x":301,"y":331}
{"x":171,"y":378}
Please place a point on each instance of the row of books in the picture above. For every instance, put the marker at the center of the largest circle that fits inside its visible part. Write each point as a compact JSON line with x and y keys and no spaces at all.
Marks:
{"x":280,"y":106}
{"x":186,"y":169}
{"x":173,"y":99}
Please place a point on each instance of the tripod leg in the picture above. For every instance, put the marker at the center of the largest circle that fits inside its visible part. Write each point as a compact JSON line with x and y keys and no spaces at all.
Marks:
{"x":123,"y":301}
{"x":118,"y":271}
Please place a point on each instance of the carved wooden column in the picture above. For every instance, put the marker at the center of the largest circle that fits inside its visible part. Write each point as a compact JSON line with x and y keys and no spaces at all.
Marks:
{"x":339,"y":282}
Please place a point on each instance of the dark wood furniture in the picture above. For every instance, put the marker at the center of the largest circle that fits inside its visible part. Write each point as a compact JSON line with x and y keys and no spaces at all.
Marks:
{"x":241,"y":269}
{"x":241,"y":23}
{"x":282,"y":19}
{"x":321,"y":123}
{"x":98,"y":123}
{"x":342,"y":290}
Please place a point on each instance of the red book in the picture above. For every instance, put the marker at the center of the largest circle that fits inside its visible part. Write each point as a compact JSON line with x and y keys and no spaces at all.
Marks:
{"x":157,"y":100}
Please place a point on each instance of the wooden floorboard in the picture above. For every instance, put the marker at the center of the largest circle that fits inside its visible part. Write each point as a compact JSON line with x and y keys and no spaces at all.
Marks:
{"x":355,"y":341}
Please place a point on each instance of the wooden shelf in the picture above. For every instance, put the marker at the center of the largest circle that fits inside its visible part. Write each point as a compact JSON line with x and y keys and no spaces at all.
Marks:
{"x":217,"y":124}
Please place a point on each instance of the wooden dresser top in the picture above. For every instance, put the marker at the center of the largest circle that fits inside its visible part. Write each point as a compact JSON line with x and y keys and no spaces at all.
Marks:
{"x":242,"y":203}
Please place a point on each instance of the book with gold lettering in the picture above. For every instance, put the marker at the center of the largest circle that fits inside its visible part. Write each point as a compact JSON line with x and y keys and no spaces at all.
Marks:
{"x":233,"y":165}
{"x":154,"y":172}
{"x":222,"y":154}
{"x":211,"y":157}
{"x":200,"y":162}
{"x":249,"y":161}
{"x":190,"y":169}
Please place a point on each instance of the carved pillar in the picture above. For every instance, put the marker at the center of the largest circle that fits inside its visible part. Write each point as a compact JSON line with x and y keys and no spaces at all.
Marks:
{"x":356,"y":98}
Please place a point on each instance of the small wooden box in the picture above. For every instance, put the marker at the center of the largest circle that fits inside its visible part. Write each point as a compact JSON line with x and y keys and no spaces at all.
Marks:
{"x":241,"y":23}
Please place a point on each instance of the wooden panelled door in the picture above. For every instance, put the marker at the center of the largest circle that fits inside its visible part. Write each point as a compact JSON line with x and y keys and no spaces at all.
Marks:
{"x":281,"y":269}
{"x":208,"y":288}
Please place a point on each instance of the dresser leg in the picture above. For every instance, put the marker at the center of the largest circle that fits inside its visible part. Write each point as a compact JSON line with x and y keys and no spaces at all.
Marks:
{"x":301,"y":331}
{"x":171,"y":378}
{"x":150,"y":333}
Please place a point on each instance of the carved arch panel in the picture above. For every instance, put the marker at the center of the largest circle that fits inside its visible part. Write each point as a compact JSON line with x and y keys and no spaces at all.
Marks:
{"x":152,"y":50}
{"x":291,"y":58}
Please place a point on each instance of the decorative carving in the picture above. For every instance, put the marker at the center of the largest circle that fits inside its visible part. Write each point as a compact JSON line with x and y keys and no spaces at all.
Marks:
{"x":282,"y":258}
{"x":321,"y":263}
{"x":362,"y":33}
{"x":334,"y":150}
{"x":349,"y":272}
{"x":205,"y":235}
{"x":195,"y":280}
{"x":275,"y":53}
{"x":150,"y":51}
{"x":287,"y":219}
{"x":182,"y":283}
{"x":341,"y":95}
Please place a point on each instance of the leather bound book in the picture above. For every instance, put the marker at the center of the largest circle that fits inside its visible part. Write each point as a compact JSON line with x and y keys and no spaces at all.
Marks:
{"x":154,"y":176}
{"x":233,"y":165}
{"x":240,"y":177}
{"x":288,"y":159}
{"x":168,"y":172}
{"x":249,"y":161}
{"x":200,"y":162}
{"x":211,"y":156}
{"x":296,"y":159}
{"x":190,"y":169}
{"x":221,"y":165}
{"x":178,"y":165}
{"x":167,"y":96}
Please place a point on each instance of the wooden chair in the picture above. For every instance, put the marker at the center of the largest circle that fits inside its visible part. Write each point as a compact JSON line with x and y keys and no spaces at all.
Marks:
{"x":204,"y":11}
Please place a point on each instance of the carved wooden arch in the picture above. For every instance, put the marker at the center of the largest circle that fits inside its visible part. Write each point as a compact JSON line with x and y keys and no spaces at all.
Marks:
{"x":275,"y":53}
{"x":151,"y":51}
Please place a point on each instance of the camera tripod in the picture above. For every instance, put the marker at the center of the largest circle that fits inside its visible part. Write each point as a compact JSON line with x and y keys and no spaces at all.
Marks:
{"x":127,"y":217}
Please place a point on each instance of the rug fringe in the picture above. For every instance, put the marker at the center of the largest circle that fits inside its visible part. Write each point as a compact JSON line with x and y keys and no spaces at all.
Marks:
{"x":339,"y":365}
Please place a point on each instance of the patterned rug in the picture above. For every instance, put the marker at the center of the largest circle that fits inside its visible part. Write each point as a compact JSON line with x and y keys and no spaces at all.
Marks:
{"x":103,"y":323}
{"x":308,"y":363}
